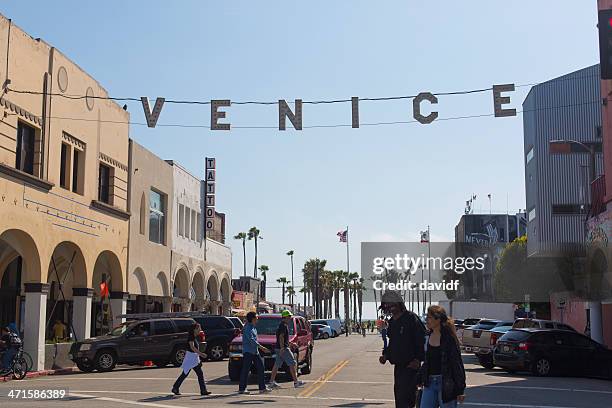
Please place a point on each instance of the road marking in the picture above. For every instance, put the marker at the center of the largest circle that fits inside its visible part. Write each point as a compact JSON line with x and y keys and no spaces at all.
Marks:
{"x":319,"y":383}
{"x":84,"y":394}
{"x":123,"y":401}
{"x":321,"y":378}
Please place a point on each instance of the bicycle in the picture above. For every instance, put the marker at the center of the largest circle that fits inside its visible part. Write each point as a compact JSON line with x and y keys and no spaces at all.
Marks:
{"x":18,"y":368}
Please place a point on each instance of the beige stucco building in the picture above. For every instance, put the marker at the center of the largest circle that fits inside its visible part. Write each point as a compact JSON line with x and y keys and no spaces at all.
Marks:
{"x":83,"y":206}
{"x":63,"y":191}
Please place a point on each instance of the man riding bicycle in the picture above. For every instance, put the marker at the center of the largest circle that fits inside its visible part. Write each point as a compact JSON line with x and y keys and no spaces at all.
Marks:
{"x":10,"y":343}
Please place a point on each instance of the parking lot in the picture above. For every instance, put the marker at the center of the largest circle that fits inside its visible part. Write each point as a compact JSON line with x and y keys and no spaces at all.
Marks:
{"x":346,"y":373}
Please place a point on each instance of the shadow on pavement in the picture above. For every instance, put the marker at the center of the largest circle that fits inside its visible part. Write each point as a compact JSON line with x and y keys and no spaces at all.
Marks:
{"x":358,"y":404}
{"x":252,"y":402}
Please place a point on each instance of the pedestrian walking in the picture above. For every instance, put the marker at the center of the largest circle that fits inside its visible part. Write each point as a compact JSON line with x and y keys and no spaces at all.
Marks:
{"x":442,"y":374}
{"x":383,"y":333}
{"x":284,"y":353}
{"x":405,"y":349}
{"x":346,"y":330}
{"x":192,"y":361}
{"x":250,"y":356}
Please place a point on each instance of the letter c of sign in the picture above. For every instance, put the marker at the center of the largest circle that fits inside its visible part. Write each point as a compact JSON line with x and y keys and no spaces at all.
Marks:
{"x":416,"y":105}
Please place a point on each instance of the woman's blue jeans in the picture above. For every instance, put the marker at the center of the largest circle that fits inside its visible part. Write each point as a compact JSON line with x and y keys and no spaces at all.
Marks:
{"x":432,"y":395}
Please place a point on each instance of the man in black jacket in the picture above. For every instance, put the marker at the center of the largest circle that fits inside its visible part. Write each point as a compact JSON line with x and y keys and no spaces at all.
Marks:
{"x":405,"y":349}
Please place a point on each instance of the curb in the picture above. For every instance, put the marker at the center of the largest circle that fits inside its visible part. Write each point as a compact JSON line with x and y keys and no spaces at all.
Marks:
{"x":34,"y":374}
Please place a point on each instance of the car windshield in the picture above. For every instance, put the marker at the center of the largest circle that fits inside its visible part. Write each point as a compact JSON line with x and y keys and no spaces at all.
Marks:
{"x":269,"y":326}
{"x":515,"y":335}
{"x":119,"y":330}
{"x":485,"y":325}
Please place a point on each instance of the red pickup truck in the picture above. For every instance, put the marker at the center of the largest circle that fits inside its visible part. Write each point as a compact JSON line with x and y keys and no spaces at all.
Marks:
{"x":299,"y":333}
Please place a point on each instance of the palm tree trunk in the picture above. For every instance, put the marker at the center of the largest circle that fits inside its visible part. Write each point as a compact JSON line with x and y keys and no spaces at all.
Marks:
{"x":346,"y":303}
{"x":255,"y":266}
{"x":283,"y":293}
{"x":354,"y":304}
{"x":360,"y":299}
{"x":292,"y":281}
{"x":244,"y":255}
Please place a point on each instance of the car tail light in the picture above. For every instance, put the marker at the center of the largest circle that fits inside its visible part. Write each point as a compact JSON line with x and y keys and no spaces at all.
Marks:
{"x":524,"y":346}
{"x":493,"y":339}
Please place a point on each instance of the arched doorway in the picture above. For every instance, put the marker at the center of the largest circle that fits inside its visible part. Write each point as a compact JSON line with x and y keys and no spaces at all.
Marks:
{"x":109,"y":299}
{"x":19,"y":263}
{"x":180,"y":290}
{"x":212,"y":289}
{"x":226,"y":295}
{"x":67,"y":272}
{"x":140,"y":300}
{"x":197,"y":286}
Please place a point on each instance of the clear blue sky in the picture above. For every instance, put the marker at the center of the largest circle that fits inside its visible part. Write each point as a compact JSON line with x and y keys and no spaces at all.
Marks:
{"x":300,"y":188}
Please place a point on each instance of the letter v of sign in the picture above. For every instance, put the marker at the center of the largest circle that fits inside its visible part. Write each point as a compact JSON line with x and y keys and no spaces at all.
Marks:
{"x":152,"y":116}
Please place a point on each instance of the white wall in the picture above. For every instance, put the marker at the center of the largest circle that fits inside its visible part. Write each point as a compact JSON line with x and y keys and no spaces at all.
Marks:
{"x":187,"y":193}
{"x":463,"y":310}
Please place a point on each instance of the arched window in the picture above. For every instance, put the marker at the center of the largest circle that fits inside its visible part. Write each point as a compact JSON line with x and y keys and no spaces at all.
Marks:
{"x":143,"y":214}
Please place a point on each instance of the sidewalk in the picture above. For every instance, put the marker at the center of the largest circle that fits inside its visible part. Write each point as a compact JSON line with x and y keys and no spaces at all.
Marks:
{"x":34,"y":374}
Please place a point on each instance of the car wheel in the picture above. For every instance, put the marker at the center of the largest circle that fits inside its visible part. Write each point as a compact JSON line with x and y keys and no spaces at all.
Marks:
{"x":178,"y":355}
{"x":233,"y":370}
{"x":542,"y":367}
{"x":325,"y":336}
{"x":161,"y":363}
{"x":85,"y":367}
{"x":216,"y":352}
{"x":307,"y":368}
{"x":105,"y":360}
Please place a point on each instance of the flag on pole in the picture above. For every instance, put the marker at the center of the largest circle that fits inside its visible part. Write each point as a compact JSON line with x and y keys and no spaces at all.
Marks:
{"x":103,"y":290}
{"x":343,"y":235}
{"x":424,"y":236}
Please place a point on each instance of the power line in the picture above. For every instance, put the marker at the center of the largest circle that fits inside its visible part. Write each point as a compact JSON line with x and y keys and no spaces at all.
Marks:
{"x":314,"y":102}
{"x":338,"y":125}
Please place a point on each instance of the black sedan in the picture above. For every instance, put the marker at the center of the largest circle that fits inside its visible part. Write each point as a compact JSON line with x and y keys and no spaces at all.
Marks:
{"x":546,"y":352}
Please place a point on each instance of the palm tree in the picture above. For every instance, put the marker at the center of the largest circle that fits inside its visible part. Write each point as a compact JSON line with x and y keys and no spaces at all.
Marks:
{"x":254,"y":234}
{"x":242,"y":236}
{"x":314,"y":287}
{"x":304,"y":290}
{"x":283,"y":281}
{"x":360,"y":289}
{"x":290,"y":293}
{"x":263,"y":269}
{"x":290,"y":253}
{"x":353,"y":279}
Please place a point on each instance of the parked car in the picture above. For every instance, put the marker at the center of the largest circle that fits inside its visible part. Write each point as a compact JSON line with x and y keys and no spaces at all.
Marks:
{"x":162,"y":341}
{"x":299,"y":333}
{"x":236,"y":322}
{"x":335,"y":325}
{"x":321,"y":331}
{"x":219,"y":330}
{"x":526,"y":323}
{"x":470,"y":321}
{"x":476,"y":337}
{"x":551,"y":351}
{"x":485,"y":353}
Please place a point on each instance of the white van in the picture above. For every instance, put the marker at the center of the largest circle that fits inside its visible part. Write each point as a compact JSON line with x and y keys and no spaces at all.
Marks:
{"x":335,"y":325}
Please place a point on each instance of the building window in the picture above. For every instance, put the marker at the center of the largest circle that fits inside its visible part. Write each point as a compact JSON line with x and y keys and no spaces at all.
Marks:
{"x":193,"y":225}
{"x":199,"y":226}
{"x":568,"y":209}
{"x":181,"y":230}
{"x":64,"y":166}
{"x":157,"y":217}
{"x":532,"y":214}
{"x":26,"y":136}
{"x":530,"y":155}
{"x":104,"y":179}
{"x":143,"y":214}
{"x":78,"y":171}
{"x":187,"y":222}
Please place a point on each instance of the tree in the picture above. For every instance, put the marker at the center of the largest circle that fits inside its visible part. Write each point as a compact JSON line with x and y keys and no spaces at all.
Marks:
{"x":310,"y":269}
{"x":516,"y":274}
{"x":283,"y":281}
{"x":264,"y":274}
{"x":243,"y":236}
{"x":290,"y":293}
{"x":290,"y":253}
{"x":254,"y":235}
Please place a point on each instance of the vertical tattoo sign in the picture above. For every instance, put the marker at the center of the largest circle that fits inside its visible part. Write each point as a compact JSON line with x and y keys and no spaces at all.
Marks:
{"x":209,"y":196}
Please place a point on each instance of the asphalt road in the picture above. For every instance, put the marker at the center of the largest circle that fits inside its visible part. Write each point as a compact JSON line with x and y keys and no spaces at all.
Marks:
{"x":346,"y":373}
